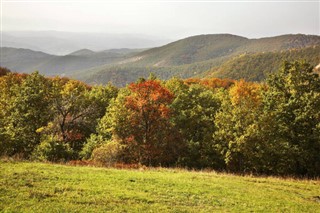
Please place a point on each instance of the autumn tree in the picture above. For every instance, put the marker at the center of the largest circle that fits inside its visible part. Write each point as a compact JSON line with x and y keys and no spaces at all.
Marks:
{"x":235,"y":122}
{"x":274,"y":130}
{"x":140,"y":119}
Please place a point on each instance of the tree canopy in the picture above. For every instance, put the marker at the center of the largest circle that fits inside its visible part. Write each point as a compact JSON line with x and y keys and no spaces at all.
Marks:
{"x":271,"y":127}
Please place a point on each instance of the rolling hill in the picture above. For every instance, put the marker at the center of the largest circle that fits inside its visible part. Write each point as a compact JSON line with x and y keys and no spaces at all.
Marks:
{"x":25,"y":60}
{"x":22,"y":60}
{"x":204,"y":54}
{"x":257,"y":66}
{"x":62,"y":43}
{"x":208,"y":47}
{"x":216,"y":55}
{"x":82,"y":52}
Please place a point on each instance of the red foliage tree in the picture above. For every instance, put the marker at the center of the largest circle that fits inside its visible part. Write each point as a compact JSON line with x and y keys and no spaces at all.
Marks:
{"x":149,"y":121}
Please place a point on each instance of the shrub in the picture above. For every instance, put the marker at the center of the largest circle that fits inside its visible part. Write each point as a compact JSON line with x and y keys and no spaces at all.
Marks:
{"x":107,"y":154}
{"x":51,"y":149}
{"x":92,"y":143}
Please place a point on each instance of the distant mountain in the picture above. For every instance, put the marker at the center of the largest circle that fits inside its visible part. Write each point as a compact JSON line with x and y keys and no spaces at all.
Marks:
{"x":219,"y":55}
{"x":125,"y":51}
{"x":24,"y":60}
{"x":62,"y":43}
{"x":115,"y":52}
{"x":208,"y":47}
{"x":190,"y":50}
{"x":196,"y":55}
{"x":82,"y":52}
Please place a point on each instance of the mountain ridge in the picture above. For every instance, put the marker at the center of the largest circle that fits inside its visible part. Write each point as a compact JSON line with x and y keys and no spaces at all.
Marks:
{"x":26,"y":60}
{"x":62,"y":43}
{"x":187,"y":58}
{"x":82,"y":52}
{"x":192,"y":56}
{"x":209,"y":46}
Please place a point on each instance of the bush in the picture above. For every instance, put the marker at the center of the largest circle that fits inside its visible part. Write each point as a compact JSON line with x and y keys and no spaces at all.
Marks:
{"x":51,"y":149}
{"x":107,"y":154}
{"x":93,"y":142}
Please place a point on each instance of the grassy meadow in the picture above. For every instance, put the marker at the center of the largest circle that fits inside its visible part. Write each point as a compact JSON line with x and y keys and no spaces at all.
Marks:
{"x":40,"y":187}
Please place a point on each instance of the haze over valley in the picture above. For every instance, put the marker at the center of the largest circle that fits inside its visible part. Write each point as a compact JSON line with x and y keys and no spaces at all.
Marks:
{"x":99,"y":41}
{"x":63,"y":43}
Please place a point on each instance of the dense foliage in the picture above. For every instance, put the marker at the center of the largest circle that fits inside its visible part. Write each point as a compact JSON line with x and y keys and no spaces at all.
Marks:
{"x":219,"y":56}
{"x":251,"y":66}
{"x":257,"y":66}
{"x":42,"y":117}
{"x":237,"y":126}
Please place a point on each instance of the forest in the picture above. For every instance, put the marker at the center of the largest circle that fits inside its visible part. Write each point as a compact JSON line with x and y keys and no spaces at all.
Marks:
{"x":268,"y":128}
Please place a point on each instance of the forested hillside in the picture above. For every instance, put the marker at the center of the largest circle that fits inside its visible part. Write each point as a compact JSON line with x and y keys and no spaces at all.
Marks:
{"x":221,"y":124}
{"x":257,"y":66}
{"x":205,"y":54}
{"x":206,"y":47}
{"x":217,"y":55}
{"x":248,"y":66}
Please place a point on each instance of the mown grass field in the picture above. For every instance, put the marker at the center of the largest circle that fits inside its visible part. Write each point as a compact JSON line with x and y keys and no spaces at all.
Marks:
{"x":39,"y":187}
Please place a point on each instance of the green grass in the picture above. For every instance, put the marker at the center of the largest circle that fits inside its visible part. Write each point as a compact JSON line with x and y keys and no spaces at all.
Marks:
{"x":39,"y":187}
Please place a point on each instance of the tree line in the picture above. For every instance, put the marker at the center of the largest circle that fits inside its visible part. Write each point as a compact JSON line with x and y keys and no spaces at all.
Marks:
{"x":268,"y":128}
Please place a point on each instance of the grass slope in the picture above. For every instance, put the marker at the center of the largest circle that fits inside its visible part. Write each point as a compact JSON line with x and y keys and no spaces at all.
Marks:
{"x":38,"y":187}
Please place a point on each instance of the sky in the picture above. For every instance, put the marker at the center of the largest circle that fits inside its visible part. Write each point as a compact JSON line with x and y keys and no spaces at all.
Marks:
{"x":163,"y":19}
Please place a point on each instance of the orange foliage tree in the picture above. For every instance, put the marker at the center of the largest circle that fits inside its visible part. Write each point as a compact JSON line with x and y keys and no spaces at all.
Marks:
{"x":211,"y":83}
{"x":236,"y":126}
{"x":139,"y":119}
{"x":149,"y":119}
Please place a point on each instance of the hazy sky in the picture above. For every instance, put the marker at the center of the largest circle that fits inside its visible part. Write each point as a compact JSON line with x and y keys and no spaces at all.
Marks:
{"x":169,"y":19}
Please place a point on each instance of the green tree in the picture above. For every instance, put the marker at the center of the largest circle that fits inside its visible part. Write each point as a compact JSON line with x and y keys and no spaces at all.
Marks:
{"x":72,"y":109}
{"x":293,"y":101}
{"x":274,"y":130}
{"x":26,"y":109}
{"x":194,"y":109}
{"x":236,"y":127}
{"x":99,"y":98}
{"x":8,"y":91}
